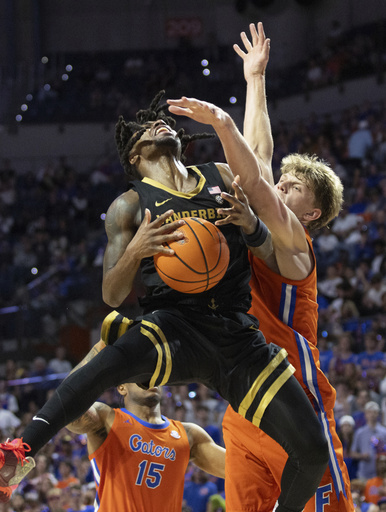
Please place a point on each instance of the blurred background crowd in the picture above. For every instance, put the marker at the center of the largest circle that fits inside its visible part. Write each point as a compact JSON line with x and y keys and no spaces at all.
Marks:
{"x":52,"y":240}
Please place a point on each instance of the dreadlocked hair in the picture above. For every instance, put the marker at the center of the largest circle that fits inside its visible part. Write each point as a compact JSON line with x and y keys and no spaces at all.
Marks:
{"x":127,"y":134}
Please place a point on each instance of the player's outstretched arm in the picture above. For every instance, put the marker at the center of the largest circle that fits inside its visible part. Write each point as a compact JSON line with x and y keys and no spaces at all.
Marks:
{"x":283,"y":224}
{"x":238,"y":154}
{"x":257,"y":126}
{"x":204,"y":452}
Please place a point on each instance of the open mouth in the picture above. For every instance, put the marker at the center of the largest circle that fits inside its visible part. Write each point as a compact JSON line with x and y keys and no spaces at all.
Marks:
{"x":162,"y":129}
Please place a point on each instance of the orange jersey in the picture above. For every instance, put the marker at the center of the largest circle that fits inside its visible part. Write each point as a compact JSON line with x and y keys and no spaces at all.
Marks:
{"x":288,"y":315}
{"x":141,"y":466}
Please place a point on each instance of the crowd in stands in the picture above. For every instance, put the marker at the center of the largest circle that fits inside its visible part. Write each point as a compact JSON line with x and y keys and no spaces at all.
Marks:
{"x":51,"y":248}
{"x":98,"y":87}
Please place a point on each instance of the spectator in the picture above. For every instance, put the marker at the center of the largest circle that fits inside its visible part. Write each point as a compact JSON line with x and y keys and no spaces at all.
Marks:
{"x":361,"y":399}
{"x":8,"y":424}
{"x":359,"y":143}
{"x":372,"y":360}
{"x":327,"y":286}
{"x":326,"y":248}
{"x":368,"y":441}
{"x":325,"y":353}
{"x":59,"y":363}
{"x":202,"y":419}
{"x":343,"y":355}
{"x":372,"y":299}
{"x":182,"y":400}
{"x":382,"y":504}
{"x":41,"y":472}
{"x":375,"y":488}
{"x":54,"y":501}
{"x":7,"y":400}
{"x":344,"y":398}
{"x":198,"y":490}
{"x":40,"y":374}
{"x":77,"y":500}
{"x":342,"y":308}
{"x":357,"y":491}
{"x":346,"y":429}
{"x":345,"y":223}
{"x":66,"y":474}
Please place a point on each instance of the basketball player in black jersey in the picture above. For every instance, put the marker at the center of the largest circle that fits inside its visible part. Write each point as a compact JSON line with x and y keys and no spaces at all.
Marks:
{"x":180,"y":338}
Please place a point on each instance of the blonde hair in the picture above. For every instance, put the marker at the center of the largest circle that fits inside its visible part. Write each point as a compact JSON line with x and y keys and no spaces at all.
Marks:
{"x":321,"y":180}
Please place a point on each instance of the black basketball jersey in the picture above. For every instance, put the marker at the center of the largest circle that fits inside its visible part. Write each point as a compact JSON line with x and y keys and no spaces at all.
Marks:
{"x":233,"y":290}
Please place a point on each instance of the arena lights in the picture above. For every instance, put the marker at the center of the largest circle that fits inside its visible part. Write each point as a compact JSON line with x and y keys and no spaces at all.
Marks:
{"x":64,"y":77}
{"x":24,"y":107}
{"x":34,"y":271}
{"x":192,"y":394}
{"x":19,"y":118}
{"x":103,"y":216}
{"x":69,"y":68}
{"x":204,"y":64}
{"x":29,"y":97}
{"x":44,"y":60}
{"x":233,"y":100}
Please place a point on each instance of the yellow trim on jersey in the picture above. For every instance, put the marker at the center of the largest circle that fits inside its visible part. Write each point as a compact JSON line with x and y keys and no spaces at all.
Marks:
{"x":270,"y":393}
{"x":168,"y":356}
{"x":186,"y":195}
{"x":107,"y":323}
{"x":254,"y":389}
{"x":124,"y":325}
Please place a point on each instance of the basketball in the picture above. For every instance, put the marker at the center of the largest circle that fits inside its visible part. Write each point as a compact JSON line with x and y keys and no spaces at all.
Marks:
{"x":200,"y":259}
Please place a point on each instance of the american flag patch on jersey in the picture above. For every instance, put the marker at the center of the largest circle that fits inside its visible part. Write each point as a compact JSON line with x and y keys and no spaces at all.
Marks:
{"x":214,"y":190}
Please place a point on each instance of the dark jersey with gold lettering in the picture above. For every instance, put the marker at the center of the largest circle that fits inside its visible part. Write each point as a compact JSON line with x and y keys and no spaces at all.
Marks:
{"x":233,"y":290}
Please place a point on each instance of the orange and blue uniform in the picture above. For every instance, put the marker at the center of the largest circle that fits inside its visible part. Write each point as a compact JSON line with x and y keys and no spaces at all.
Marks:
{"x":288,"y":316}
{"x":140,"y":466}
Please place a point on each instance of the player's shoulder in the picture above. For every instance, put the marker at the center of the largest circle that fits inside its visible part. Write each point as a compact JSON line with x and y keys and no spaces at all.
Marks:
{"x":126,"y":204}
{"x":195,"y":433}
{"x":225,"y":173}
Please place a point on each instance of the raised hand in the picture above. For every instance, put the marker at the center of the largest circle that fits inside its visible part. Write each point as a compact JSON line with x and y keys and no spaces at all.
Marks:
{"x":256,"y":54}
{"x":200,"y":111}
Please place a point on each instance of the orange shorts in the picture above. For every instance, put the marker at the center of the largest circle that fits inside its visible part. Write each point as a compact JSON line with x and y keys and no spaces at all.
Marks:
{"x":255,"y":462}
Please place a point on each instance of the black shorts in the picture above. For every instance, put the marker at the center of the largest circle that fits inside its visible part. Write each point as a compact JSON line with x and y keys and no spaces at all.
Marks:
{"x":226,"y":352}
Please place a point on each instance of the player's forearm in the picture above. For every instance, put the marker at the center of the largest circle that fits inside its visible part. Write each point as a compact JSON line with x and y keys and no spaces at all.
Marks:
{"x":212,"y":461}
{"x":119,"y":280}
{"x":238,"y":154}
{"x":257,"y":126}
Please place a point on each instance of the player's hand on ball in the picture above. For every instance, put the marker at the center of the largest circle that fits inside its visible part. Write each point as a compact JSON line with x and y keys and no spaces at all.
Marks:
{"x":151,"y":236}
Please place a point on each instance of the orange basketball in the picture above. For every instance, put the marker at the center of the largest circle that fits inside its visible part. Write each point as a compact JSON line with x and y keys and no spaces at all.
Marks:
{"x":199,"y":261}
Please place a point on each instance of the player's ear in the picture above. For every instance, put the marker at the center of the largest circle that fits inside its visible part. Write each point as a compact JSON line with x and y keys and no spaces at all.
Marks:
{"x":313,"y":214}
{"x":133,"y":159}
{"x":122,"y":390}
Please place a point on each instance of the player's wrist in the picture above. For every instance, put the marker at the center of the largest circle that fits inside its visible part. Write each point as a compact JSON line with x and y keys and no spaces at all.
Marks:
{"x":258,"y":236}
